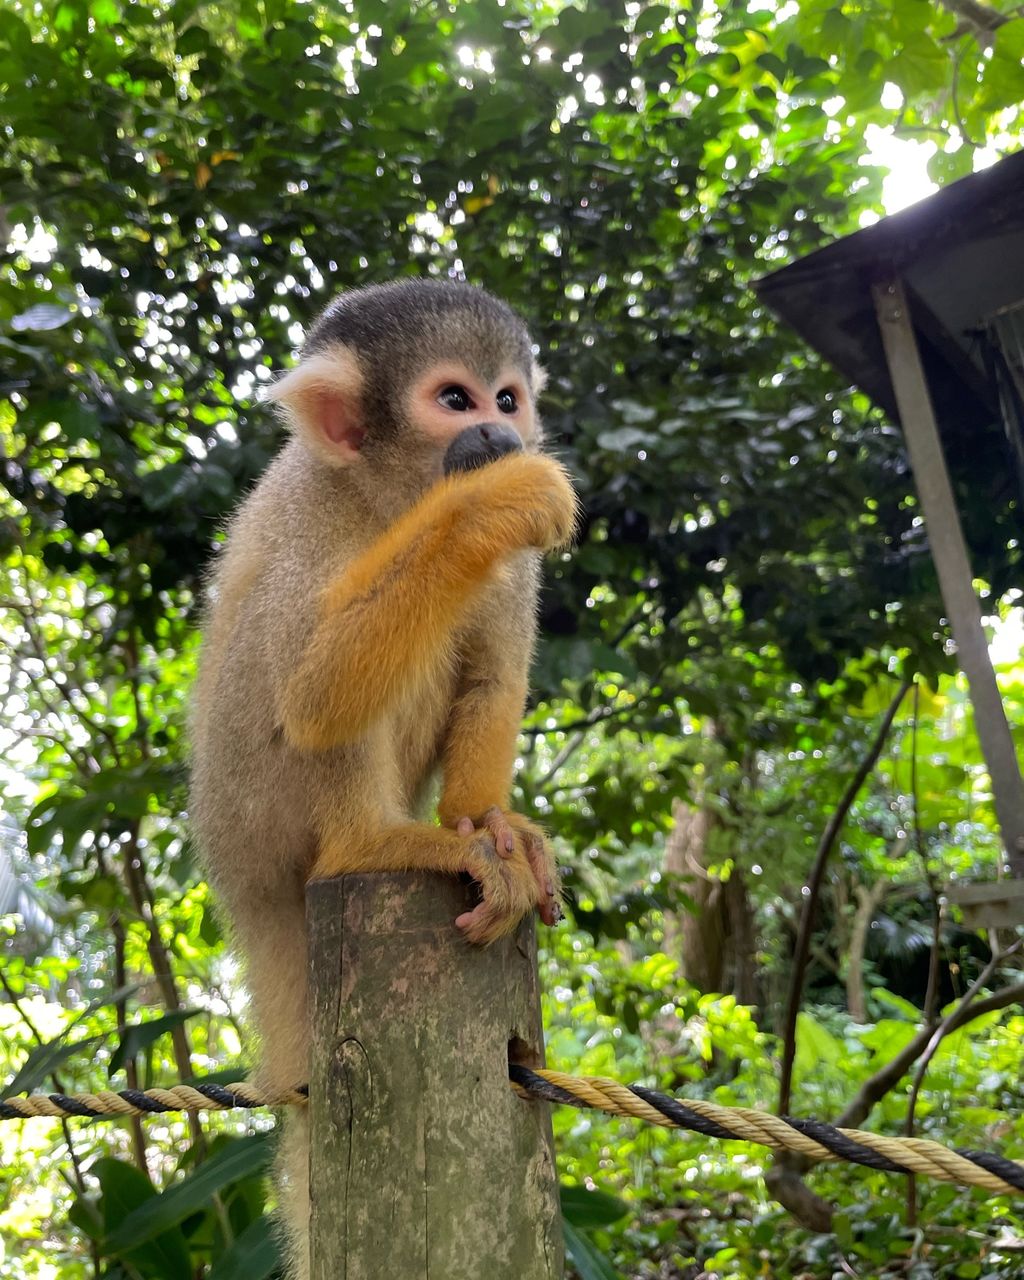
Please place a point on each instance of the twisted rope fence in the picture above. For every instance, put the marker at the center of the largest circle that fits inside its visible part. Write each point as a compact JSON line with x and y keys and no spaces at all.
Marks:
{"x":813,"y":1139}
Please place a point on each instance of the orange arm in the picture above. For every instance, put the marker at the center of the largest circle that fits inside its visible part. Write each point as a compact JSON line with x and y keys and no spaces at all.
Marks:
{"x":480,"y":745}
{"x":385,"y":622}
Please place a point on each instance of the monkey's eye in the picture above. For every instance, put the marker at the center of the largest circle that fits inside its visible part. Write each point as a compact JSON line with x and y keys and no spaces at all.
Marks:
{"x":455,"y":397}
{"x":507,"y":401}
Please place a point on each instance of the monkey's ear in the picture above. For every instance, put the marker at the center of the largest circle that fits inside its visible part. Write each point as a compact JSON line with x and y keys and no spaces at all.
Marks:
{"x":321,"y":401}
{"x":538,"y":379}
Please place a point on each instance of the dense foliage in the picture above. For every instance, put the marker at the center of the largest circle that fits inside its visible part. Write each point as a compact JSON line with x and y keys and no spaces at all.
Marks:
{"x":183,"y":186}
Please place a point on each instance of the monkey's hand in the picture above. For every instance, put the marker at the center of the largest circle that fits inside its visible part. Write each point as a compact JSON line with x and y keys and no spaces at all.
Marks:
{"x":521,"y":501}
{"x":518,"y":844}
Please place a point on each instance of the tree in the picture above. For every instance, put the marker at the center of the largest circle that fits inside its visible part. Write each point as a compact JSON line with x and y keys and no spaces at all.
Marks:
{"x":185,"y":184}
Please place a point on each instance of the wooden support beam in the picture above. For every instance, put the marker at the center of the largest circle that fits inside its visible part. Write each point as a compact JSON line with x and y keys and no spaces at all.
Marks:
{"x":424,"y":1164}
{"x":992,"y":904}
{"x":949,"y":551}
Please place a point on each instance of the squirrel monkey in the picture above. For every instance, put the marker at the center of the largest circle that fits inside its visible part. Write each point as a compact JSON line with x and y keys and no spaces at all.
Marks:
{"x":370,"y":626}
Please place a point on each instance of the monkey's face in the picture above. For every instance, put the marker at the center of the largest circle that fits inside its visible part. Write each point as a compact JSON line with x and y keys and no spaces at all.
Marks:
{"x":404,"y":383}
{"x":466,"y":420}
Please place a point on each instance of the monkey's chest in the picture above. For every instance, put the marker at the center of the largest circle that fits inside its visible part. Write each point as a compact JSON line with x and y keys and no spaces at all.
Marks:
{"x":419,"y":731}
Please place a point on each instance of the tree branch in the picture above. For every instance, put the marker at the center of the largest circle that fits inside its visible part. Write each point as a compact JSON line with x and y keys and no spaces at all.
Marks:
{"x":976,"y":19}
{"x":814,"y":882}
{"x":141,"y":893}
{"x":874,"y":1089}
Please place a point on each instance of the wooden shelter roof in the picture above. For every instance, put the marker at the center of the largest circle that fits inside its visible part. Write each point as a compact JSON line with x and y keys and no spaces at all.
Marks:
{"x":960,"y":254}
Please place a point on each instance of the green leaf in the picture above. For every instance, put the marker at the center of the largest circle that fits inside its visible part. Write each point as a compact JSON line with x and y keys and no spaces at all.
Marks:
{"x":585,"y":1257}
{"x":909,"y":1010}
{"x":141,"y":1035}
{"x":948,"y":166}
{"x":1009,"y":41}
{"x":774,"y":65}
{"x":241,"y":1159}
{"x":584,"y":1208}
{"x":44,"y":1060}
{"x":125,"y":1191}
{"x":192,"y":41}
{"x":254,"y":1255}
{"x":227,"y":1075}
{"x":922,"y":67}
{"x":85,"y":1214}
{"x":105,"y":12}
{"x":815,"y":1045}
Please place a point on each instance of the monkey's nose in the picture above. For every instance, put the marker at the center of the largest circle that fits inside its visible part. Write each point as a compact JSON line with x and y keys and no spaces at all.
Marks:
{"x":478,"y":445}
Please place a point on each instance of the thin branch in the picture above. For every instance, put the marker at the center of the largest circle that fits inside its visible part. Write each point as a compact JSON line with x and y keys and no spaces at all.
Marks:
{"x":949,"y":1024}
{"x":875,"y":1088}
{"x":931,"y":995}
{"x":131,"y":653}
{"x":83,"y":759}
{"x":954,"y":94}
{"x":141,"y":893}
{"x":40,"y":651}
{"x":79,"y":1177}
{"x":569,"y":749}
{"x":814,"y":883}
{"x":784,"y":1178}
{"x":118,"y":932}
{"x":596,"y":716}
{"x":976,"y":19}
{"x":20,"y":1009}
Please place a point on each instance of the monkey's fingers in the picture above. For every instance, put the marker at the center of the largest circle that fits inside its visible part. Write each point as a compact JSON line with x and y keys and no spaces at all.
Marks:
{"x":501,"y":831}
{"x":476,"y":923}
{"x":497,"y":827}
{"x":507,"y":886}
{"x":533,"y":843}
{"x":485,"y":924}
{"x":546,"y":874}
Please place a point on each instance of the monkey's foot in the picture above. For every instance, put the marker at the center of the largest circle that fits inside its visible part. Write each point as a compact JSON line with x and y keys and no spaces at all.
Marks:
{"x":514,"y":834}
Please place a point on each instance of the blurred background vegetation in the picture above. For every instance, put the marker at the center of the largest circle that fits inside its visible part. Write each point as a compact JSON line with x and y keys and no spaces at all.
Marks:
{"x":182,"y":186}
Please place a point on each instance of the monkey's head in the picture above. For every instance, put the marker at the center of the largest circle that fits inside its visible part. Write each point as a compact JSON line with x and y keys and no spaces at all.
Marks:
{"x":403,"y":383}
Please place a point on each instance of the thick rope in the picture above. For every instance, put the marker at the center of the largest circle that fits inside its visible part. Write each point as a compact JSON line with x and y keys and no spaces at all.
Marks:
{"x":810,"y":1138}
{"x":107,"y":1105}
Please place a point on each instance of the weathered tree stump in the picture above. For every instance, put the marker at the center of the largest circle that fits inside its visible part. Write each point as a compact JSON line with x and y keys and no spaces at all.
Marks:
{"x":424,"y":1164}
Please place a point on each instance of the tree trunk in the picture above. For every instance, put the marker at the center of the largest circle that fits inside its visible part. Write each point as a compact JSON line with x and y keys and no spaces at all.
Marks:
{"x":869,"y":897}
{"x":715,"y":943}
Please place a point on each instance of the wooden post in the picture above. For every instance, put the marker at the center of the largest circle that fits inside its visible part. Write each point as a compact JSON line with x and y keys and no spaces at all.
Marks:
{"x":949,"y":551}
{"x":424,"y":1164}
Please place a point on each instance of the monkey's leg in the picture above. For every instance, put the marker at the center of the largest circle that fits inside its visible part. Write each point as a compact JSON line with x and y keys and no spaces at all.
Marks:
{"x":386,"y":622}
{"x":508,"y":885}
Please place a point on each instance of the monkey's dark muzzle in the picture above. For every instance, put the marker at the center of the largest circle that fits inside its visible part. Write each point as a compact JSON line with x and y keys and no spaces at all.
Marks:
{"x":479,"y":445}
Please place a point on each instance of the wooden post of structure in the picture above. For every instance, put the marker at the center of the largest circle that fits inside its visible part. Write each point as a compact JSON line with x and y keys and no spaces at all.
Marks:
{"x":949,"y":551}
{"x":424,"y":1164}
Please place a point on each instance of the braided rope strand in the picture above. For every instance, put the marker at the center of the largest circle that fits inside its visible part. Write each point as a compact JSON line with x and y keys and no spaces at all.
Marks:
{"x":813,"y":1139}
{"x":140,"y":1102}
